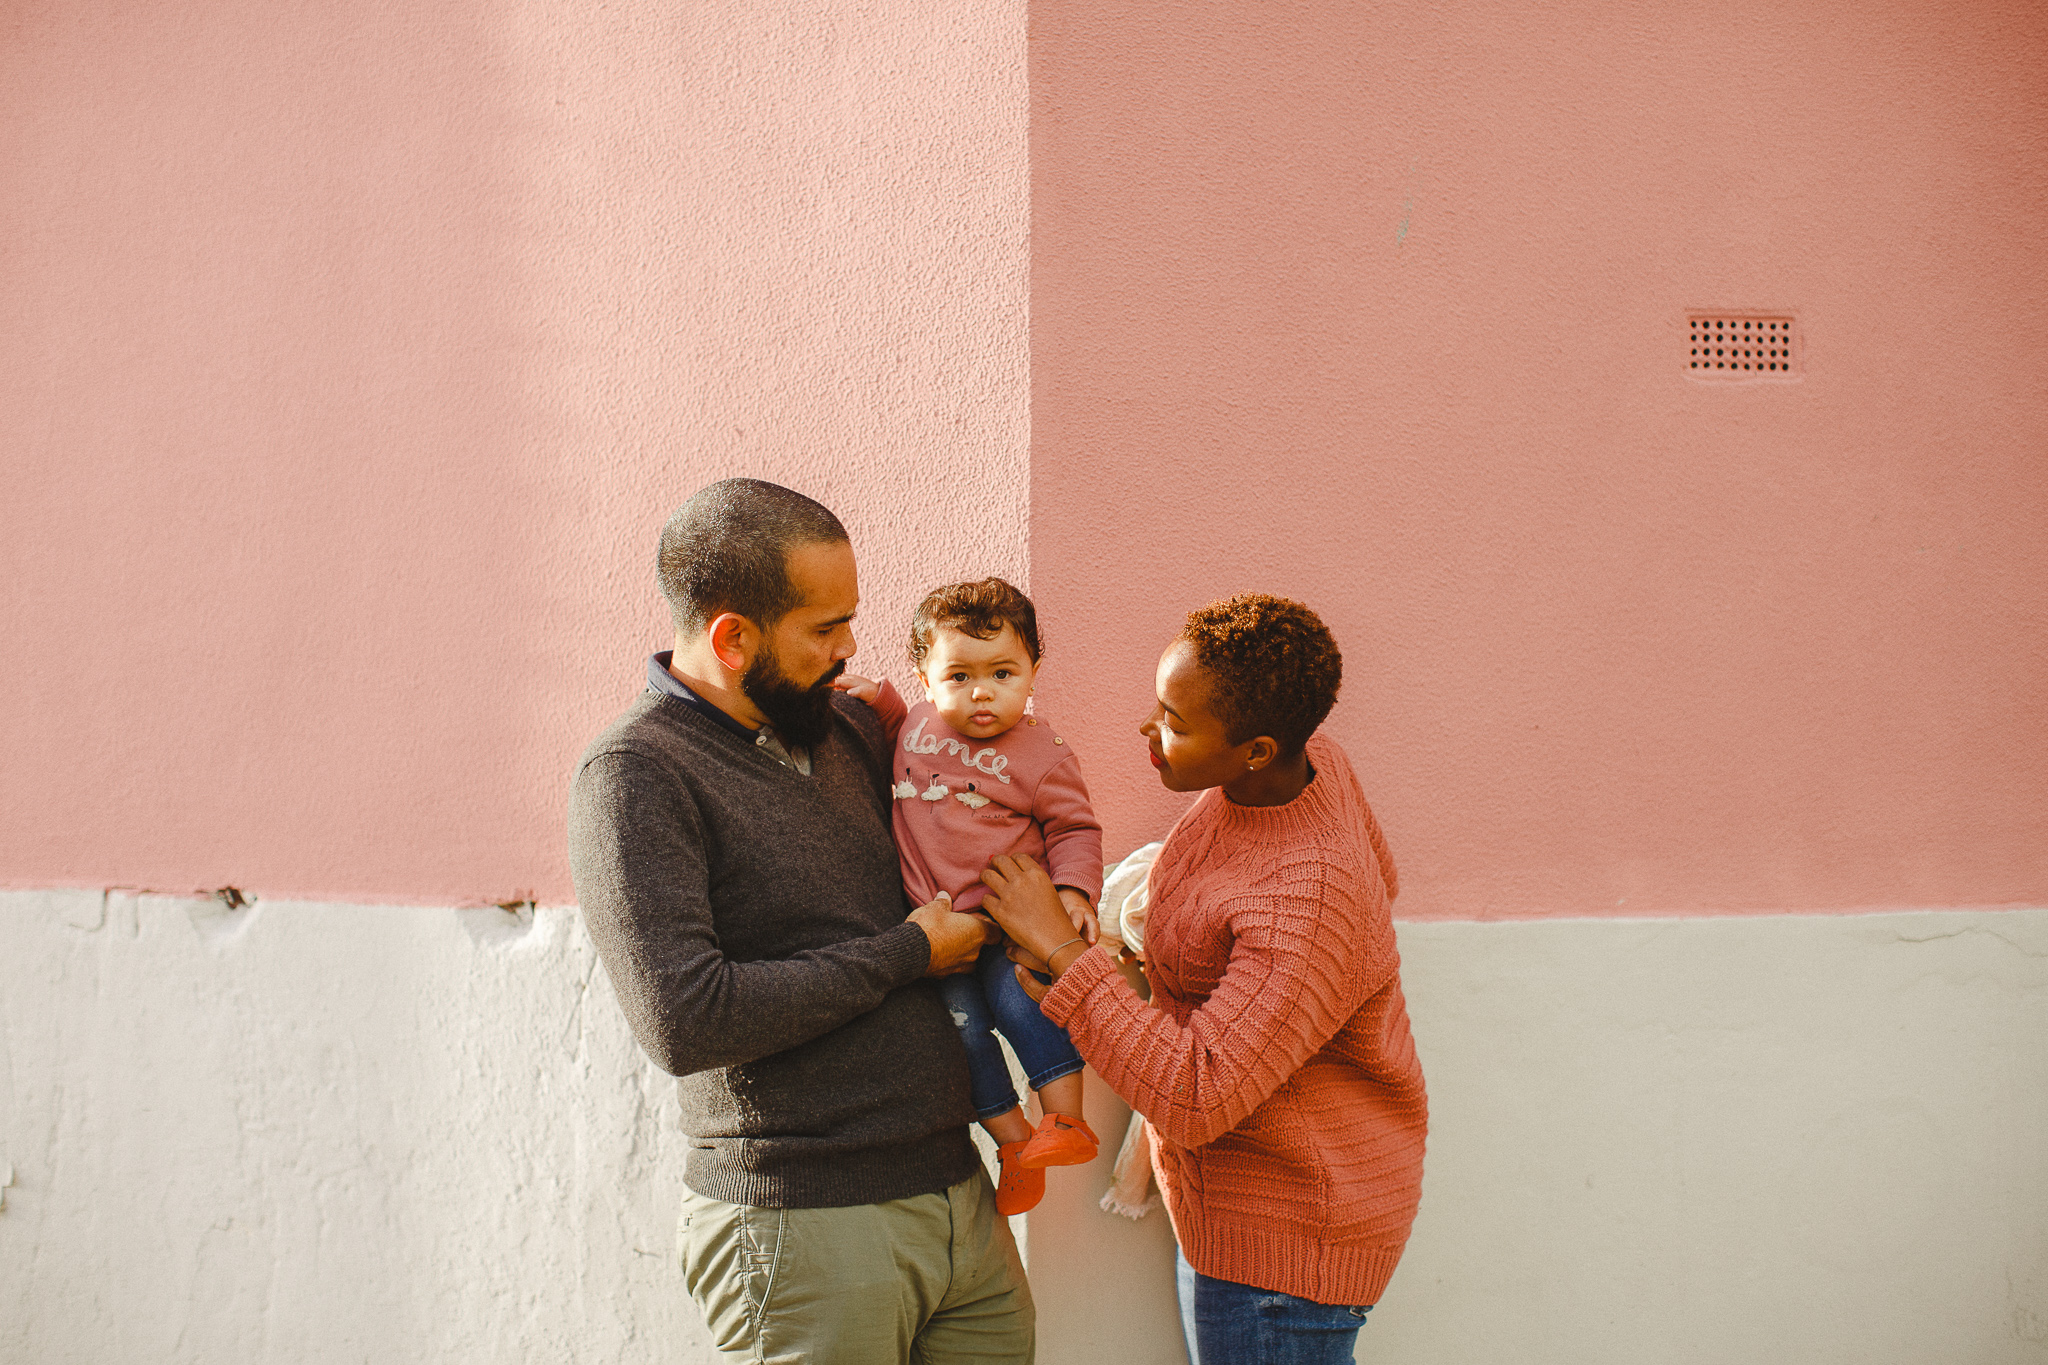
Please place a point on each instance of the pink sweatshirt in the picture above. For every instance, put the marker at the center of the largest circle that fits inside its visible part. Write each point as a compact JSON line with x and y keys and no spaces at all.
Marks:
{"x":962,"y":801}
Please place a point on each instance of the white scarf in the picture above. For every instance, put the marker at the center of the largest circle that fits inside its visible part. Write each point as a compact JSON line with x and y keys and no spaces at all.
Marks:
{"x":1126,"y":893}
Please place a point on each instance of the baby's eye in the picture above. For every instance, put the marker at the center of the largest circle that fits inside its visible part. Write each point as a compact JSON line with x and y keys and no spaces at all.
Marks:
{"x":1001,"y":674}
{"x":956,"y":677}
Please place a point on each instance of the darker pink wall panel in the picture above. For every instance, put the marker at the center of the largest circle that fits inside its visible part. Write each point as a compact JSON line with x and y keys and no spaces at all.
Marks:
{"x":1384,"y":307}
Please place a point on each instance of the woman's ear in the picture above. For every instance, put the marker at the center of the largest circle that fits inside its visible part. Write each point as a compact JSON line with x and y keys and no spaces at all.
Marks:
{"x":733,"y":639}
{"x":1259,"y":752}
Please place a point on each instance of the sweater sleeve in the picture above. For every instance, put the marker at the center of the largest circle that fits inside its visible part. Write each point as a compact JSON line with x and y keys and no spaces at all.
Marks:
{"x":1302,"y":958}
{"x":1073,"y":836}
{"x":890,"y":710}
{"x":636,"y":851}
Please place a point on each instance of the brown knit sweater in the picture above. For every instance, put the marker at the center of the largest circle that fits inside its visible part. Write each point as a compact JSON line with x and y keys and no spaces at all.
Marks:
{"x":1277,"y":1071}
{"x":751,"y":920}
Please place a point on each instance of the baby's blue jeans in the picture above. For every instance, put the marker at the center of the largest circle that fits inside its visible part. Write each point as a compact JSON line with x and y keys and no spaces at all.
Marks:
{"x":987,"y":1001}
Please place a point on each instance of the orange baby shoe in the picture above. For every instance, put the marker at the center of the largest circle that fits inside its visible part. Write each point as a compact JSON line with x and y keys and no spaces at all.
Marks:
{"x":1061,"y":1140}
{"x":1021,"y":1188}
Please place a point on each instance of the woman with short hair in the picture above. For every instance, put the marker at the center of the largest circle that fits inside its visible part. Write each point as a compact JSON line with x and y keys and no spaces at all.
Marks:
{"x":1274,"y":1064}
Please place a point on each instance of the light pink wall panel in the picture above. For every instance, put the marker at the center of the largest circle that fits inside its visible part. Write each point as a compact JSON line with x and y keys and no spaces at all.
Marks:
{"x":1383,"y":307}
{"x":354,"y":355}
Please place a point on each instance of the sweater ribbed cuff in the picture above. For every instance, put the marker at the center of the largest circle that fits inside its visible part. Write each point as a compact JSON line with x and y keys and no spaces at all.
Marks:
{"x":906,"y":950}
{"x":1082,"y":975}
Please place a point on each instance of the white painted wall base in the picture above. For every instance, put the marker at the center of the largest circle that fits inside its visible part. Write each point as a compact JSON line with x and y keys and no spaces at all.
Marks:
{"x":324,"y":1133}
{"x":321,"y":1133}
{"x":1788,"y":1139}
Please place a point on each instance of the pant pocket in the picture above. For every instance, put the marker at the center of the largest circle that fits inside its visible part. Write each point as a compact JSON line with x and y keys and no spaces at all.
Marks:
{"x":725,"y":1271}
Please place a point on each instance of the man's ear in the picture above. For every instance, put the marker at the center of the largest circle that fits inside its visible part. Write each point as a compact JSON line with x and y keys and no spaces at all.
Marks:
{"x":733,"y":640}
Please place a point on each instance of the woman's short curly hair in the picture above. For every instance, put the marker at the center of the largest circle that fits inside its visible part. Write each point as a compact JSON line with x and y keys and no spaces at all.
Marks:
{"x":1275,"y":666}
{"x":980,"y":609}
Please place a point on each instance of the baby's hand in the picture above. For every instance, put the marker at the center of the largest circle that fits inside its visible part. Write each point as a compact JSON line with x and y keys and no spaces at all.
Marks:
{"x":862,"y":689}
{"x":1081,"y":913}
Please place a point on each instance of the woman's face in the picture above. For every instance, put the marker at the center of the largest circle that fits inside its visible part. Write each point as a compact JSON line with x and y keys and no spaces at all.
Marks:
{"x":1190,"y":747}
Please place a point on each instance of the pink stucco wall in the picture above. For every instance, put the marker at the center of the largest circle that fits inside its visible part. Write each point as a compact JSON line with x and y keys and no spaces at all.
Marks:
{"x":354,"y":355}
{"x":1383,"y":307}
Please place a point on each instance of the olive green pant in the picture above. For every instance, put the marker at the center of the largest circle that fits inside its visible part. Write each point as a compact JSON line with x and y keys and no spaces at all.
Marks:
{"x":928,"y":1280}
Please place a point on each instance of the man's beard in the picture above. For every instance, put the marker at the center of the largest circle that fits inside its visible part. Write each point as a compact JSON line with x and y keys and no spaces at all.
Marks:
{"x":800,"y":716}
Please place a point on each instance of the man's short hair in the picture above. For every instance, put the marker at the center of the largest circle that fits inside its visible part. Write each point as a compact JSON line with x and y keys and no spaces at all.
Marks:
{"x":728,"y":547}
{"x":1275,"y":666}
{"x":980,"y":609}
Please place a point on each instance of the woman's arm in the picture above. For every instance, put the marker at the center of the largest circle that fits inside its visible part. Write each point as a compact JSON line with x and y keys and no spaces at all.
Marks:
{"x":1302,"y":958}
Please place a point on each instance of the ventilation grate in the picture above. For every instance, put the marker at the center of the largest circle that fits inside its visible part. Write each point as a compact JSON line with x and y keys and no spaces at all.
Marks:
{"x":1719,"y":346}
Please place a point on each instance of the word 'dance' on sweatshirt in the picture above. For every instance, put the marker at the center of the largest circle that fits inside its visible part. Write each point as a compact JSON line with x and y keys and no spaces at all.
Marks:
{"x":960,"y":801}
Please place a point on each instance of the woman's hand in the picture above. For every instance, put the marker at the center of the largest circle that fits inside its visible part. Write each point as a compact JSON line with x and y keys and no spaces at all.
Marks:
{"x":1026,"y":965}
{"x":1027,"y":905}
{"x":1081,"y":913}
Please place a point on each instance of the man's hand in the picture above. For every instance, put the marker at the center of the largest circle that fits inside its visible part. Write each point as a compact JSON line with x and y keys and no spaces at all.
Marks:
{"x":859,"y":688}
{"x":1081,"y":912}
{"x":956,"y":939}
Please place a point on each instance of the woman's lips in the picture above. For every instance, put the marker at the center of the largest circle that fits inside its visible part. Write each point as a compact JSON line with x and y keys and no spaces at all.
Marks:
{"x":1157,"y":761}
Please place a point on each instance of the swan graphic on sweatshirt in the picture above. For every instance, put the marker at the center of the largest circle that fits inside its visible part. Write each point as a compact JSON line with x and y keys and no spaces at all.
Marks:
{"x":904,"y":790}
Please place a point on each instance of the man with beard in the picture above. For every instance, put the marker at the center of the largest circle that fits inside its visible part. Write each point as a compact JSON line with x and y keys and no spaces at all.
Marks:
{"x":730,"y":839}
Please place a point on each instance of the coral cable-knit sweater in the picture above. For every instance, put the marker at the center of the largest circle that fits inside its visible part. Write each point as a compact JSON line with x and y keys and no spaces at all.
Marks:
{"x":1274,"y":1064}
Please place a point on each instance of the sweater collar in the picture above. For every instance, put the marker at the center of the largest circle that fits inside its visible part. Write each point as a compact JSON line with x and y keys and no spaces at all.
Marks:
{"x":765,"y":738}
{"x":663,"y":681}
{"x":1316,"y":804}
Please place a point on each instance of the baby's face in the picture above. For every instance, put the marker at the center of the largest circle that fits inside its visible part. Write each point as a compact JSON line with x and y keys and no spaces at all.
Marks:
{"x":978,"y":686}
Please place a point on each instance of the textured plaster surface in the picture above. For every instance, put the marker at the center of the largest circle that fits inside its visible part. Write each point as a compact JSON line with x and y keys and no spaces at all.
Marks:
{"x":327,"y":1133}
{"x":1382,"y":307}
{"x":1783,"y":1139}
{"x":355,"y":355}
{"x":338,"y":1133}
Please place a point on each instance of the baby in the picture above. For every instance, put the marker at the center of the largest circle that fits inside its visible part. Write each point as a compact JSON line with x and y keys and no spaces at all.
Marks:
{"x":980,"y":777}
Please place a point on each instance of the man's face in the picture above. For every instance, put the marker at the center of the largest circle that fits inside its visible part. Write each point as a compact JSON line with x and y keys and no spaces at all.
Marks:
{"x":790,"y":678}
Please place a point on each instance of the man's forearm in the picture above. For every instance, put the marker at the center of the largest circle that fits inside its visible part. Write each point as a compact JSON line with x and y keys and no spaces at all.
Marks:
{"x":713,"y":1012}
{"x":636,"y":852}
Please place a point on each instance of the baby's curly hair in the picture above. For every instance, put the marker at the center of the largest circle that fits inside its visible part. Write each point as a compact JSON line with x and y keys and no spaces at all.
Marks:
{"x":1275,"y":665}
{"x":980,"y":609}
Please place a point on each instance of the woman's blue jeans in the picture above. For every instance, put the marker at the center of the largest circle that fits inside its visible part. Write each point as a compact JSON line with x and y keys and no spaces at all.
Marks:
{"x":987,"y":1000}
{"x":1235,"y":1324}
